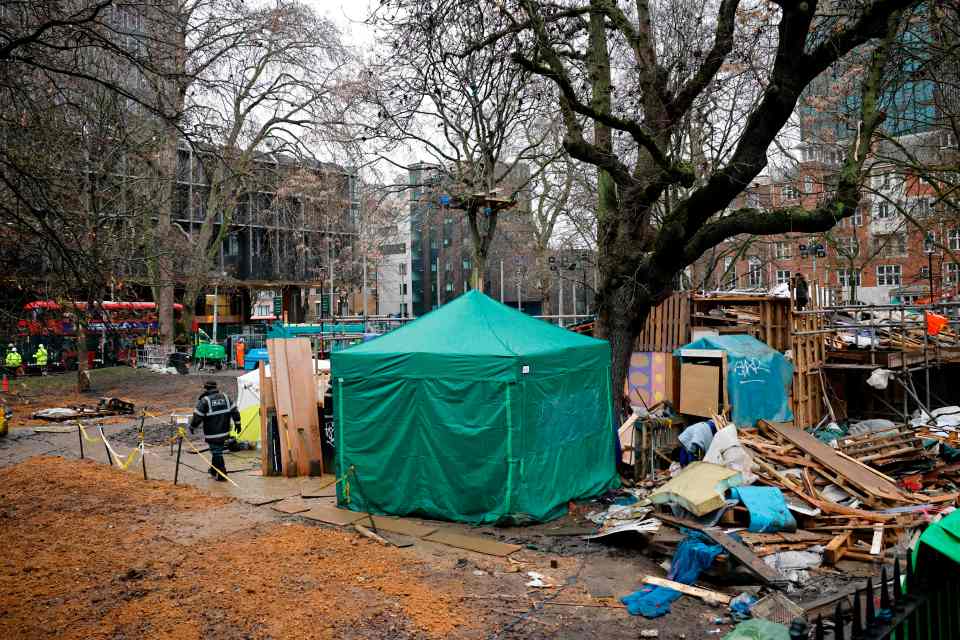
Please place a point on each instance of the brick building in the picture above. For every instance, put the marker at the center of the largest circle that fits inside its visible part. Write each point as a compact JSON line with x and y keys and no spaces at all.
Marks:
{"x":880,"y":255}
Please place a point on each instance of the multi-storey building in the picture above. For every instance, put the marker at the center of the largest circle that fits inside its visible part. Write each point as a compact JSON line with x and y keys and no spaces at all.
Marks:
{"x":441,"y":249}
{"x":902,"y":242}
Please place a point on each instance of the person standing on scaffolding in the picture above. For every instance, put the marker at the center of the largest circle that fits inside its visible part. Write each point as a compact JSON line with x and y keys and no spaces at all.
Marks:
{"x":214,"y":411}
{"x":801,"y":291}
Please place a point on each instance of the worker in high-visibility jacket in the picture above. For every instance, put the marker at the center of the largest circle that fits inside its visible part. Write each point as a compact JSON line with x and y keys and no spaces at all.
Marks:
{"x":40,"y":357}
{"x":13,"y":360}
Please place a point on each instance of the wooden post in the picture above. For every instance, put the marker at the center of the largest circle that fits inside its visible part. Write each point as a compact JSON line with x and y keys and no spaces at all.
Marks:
{"x":176,"y":469}
{"x":80,"y":438}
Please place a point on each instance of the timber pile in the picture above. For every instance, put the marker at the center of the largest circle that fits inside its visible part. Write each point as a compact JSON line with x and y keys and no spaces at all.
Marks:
{"x":879,"y":514}
{"x":885,"y":449}
{"x":290,"y":442}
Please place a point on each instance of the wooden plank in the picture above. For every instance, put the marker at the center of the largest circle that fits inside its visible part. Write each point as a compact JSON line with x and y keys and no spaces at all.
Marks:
{"x":876,"y":545}
{"x":836,"y":548}
{"x":289,"y":450}
{"x":303,"y":389}
{"x":738,"y":550}
{"x":712,"y":597}
{"x":828,"y":457}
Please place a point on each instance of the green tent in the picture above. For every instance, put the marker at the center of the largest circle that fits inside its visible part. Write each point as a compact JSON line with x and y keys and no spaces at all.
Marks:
{"x":475,"y":412}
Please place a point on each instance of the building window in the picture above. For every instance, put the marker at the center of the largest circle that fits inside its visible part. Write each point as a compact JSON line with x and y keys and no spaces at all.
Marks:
{"x":847,"y":276}
{"x":888,"y":275}
{"x":783,"y":276}
{"x":729,"y":274}
{"x":448,"y":287}
{"x":753,"y":199}
{"x":924,"y":272}
{"x":319,"y":309}
{"x":755,"y":273}
{"x":952,"y":272}
{"x":953,"y":238}
{"x":849,"y":247}
{"x":466,"y":264}
{"x":402,"y":268}
{"x":807,"y":184}
{"x":884,"y":210}
{"x":782,"y":250}
{"x":923,"y":207}
{"x":433,"y":267}
{"x":790,"y":192}
{"x":403,"y":288}
{"x":857,"y":217}
{"x":890,"y":245}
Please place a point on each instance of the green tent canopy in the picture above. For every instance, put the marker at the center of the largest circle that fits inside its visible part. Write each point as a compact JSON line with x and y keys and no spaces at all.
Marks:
{"x":476,"y":413}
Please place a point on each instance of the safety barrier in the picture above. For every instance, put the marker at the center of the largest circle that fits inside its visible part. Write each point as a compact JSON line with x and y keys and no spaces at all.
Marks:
{"x":141,"y":450}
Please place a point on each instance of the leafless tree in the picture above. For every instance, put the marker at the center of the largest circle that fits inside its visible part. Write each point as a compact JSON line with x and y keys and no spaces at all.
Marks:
{"x":649,"y":102}
{"x":469,"y":113}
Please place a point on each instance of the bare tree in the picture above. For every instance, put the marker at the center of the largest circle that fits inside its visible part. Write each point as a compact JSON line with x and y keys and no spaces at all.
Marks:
{"x":666,"y":82}
{"x":469,"y":113}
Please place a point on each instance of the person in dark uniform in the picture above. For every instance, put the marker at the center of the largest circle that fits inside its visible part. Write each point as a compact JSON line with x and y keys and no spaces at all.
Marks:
{"x":214,"y":411}
{"x":801,"y":291}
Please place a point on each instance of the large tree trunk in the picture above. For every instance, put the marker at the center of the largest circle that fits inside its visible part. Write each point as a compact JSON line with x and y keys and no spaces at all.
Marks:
{"x":83,"y":373}
{"x":164,"y":272}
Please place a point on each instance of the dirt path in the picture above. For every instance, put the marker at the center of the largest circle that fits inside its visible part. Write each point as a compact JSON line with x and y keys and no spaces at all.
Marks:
{"x":92,"y":552}
{"x":95,"y":553}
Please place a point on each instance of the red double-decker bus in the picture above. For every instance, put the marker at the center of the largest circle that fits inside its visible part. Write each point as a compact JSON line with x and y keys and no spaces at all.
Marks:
{"x":114,"y":331}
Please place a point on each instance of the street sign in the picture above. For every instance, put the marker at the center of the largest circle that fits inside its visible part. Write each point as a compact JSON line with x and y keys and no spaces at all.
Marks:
{"x":325,"y":304}
{"x":278,"y":306}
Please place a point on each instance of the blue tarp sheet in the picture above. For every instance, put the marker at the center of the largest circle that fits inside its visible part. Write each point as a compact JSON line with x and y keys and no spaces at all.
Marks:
{"x":695,"y":553}
{"x":758,"y":378}
{"x":767,"y":507}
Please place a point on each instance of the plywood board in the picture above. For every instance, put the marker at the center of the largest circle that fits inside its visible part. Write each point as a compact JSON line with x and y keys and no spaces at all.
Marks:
{"x":334,"y":515}
{"x":291,"y":506}
{"x":713,"y":597}
{"x":303,"y":389}
{"x":401,"y":526}
{"x":699,"y":390}
{"x":322,"y":487}
{"x":283,"y":401}
{"x":472,"y":543}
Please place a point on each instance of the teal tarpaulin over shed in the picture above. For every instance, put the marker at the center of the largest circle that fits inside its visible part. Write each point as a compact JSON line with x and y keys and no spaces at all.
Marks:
{"x":475,"y":412}
{"x":758,"y":378}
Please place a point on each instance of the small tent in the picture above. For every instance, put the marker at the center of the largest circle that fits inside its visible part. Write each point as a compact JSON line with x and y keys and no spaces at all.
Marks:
{"x":758,"y":378}
{"x":475,"y":412}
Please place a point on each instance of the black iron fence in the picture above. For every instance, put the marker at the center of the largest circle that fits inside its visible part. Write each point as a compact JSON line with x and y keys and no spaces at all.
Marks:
{"x":913,"y":605}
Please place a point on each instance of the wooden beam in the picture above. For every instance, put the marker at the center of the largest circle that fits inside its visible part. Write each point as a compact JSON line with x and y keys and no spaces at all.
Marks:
{"x":712,"y":597}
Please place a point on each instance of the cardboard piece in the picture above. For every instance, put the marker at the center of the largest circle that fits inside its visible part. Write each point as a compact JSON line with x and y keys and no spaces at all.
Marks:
{"x":332,"y":515}
{"x":699,"y":390}
{"x":323,"y":487}
{"x":472,"y":543}
{"x":291,"y":506}
{"x":699,"y":488}
{"x":400,"y":525}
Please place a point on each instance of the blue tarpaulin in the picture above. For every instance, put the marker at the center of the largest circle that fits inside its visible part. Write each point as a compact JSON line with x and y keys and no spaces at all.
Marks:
{"x":758,"y":378}
{"x":767,"y":507}
{"x":695,"y":553}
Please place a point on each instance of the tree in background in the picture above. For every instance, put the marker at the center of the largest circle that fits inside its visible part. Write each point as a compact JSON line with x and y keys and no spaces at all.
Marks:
{"x":469,"y":113}
{"x":643,"y":73}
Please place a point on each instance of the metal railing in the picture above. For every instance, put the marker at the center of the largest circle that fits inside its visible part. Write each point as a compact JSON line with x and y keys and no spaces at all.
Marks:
{"x":910,"y":607}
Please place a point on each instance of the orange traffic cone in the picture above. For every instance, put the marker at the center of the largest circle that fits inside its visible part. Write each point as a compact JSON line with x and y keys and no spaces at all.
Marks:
{"x":6,"y":384}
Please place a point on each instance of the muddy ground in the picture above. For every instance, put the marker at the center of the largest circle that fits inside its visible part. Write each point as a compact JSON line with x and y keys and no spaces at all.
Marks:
{"x":94,"y":552}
